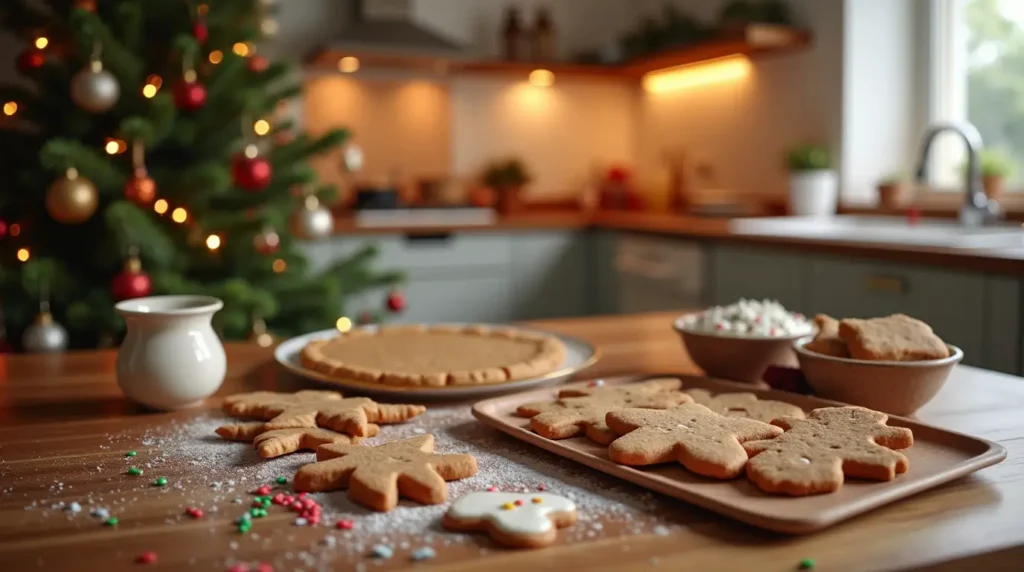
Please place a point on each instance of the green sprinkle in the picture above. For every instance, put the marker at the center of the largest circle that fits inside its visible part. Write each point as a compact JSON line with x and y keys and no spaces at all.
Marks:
{"x":282,"y":480}
{"x":807,"y":564}
{"x":255,"y":512}
{"x":160,"y":482}
{"x":112,"y":521}
{"x":267,"y":501}
{"x":130,"y":454}
{"x":263,"y":512}
{"x":245,"y":527}
{"x":134,"y":471}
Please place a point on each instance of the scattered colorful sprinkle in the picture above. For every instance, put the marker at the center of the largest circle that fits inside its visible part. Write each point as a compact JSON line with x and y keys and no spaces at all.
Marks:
{"x":344,"y":524}
{"x":519,"y":502}
{"x":112,"y":521}
{"x":134,"y":471}
{"x":807,"y":564}
{"x":508,"y":506}
{"x":244,"y":518}
{"x":160,"y":482}
{"x":537,"y":500}
{"x":424,"y":553}
{"x":282,"y":480}
{"x":146,"y":557}
{"x":194,"y":512}
{"x":301,"y":521}
{"x":74,"y":507}
{"x":661,"y":531}
{"x":542,"y":487}
{"x":382,"y":551}
{"x":263,"y":490}
{"x":245,"y":526}
{"x":492,"y":489}
{"x":130,"y":454}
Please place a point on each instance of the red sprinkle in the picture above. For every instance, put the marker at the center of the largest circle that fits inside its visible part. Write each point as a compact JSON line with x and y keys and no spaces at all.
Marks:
{"x":146,"y":558}
{"x":308,"y":503}
{"x":197,"y":513}
{"x":263,"y":490}
{"x":289,"y":499}
{"x":278,"y":498}
{"x":265,"y":568}
{"x":296,"y":506}
{"x":256,"y":504}
{"x":519,"y":502}
{"x":302,"y":495}
{"x":315,"y":519}
{"x":542,"y":487}
{"x":241,"y":567}
{"x":492,"y":489}
{"x":344,"y":524}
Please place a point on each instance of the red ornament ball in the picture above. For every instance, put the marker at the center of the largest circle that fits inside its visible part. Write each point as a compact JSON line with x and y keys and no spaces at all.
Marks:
{"x":266,"y":243}
{"x":258,"y":64}
{"x":140,"y":189}
{"x":30,"y":59}
{"x":3,"y":228}
{"x":251,"y":173}
{"x":200,"y":31}
{"x":189,"y":95}
{"x":132,"y":282}
{"x":396,"y":301}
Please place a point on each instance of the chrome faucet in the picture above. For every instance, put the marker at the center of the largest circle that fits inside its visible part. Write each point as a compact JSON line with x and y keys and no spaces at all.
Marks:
{"x":977,"y":209}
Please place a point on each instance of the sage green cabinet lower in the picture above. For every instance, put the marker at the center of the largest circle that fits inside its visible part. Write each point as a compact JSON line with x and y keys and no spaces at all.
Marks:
{"x":739,"y":271}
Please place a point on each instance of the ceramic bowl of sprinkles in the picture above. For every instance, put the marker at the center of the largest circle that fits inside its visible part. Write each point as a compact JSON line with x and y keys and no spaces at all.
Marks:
{"x":739,"y":341}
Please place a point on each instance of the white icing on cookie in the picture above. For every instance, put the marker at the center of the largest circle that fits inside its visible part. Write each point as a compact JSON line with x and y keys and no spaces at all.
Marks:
{"x":529,"y":517}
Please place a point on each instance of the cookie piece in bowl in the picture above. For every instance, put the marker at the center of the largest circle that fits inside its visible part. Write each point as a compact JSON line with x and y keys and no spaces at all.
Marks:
{"x":893,"y":338}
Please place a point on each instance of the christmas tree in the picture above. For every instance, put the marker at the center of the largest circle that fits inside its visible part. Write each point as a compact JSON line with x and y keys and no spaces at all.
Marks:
{"x":140,"y":154}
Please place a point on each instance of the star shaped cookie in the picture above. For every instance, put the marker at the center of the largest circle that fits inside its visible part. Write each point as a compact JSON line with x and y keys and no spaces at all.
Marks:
{"x":583,"y":410}
{"x":277,"y":442}
{"x":745,"y":405}
{"x":376,"y":476}
{"x":254,"y":404}
{"x":814,"y":455}
{"x":701,"y":440}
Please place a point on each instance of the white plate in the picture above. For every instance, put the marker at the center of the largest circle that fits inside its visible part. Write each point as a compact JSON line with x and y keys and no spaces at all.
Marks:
{"x":578,"y":356}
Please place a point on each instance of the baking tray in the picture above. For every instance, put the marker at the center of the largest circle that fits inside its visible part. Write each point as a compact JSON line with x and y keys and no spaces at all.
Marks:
{"x":579,"y":355}
{"x":938,"y":456}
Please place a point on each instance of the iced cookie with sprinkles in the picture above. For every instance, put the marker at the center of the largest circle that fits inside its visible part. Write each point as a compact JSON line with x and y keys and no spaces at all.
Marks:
{"x":376,"y":476}
{"x":517,"y":520}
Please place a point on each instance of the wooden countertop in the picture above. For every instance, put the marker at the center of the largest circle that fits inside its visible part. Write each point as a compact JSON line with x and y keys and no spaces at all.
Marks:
{"x":1003,"y":260}
{"x":58,"y":415}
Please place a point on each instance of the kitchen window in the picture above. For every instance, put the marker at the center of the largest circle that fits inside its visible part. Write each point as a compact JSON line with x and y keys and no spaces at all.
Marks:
{"x":976,"y":65}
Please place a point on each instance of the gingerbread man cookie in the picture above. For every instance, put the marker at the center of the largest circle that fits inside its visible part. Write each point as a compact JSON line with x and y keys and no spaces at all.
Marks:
{"x":745,"y":405}
{"x":376,"y":476}
{"x":326,"y":409}
{"x":701,"y":440}
{"x":277,"y":442}
{"x":814,"y":454}
{"x":518,"y":520}
{"x":583,"y":410}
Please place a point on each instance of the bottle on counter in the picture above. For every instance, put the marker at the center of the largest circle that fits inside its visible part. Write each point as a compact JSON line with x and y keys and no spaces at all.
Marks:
{"x":542,"y":41}
{"x":514,"y":35}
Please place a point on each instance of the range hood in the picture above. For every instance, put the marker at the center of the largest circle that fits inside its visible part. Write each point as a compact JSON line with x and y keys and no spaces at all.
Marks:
{"x":386,"y":30}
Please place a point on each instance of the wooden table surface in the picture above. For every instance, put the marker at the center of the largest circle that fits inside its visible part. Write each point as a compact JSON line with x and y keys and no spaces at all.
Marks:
{"x":57,"y":415}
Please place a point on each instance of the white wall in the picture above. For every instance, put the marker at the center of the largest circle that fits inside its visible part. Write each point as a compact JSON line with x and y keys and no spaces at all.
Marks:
{"x":742,"y":129}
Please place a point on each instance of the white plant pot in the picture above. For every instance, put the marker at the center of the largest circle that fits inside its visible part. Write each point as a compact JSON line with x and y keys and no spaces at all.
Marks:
{"x":813,"y":193}
{"x":171,"y":358}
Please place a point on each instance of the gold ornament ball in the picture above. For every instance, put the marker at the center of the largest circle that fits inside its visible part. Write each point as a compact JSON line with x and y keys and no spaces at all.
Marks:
{"x":71,"y":199}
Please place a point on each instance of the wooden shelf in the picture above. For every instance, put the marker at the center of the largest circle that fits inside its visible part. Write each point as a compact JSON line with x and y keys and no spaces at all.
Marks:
{"x":754,"y":40}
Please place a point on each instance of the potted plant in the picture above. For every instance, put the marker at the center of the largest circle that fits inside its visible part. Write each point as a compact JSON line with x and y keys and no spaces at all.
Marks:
{"x":507,"y":178}
{"x":891,"y":189}
{"x":813,"y":185}
{"x":996,"y":166}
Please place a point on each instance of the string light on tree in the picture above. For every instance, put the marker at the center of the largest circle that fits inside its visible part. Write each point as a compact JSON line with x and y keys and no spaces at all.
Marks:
{"x":140,"y":187}
{"x":199,"y":30}
{"x":213,"y":242}
{"x":23,"y":255}
{"x":249,"y":170}
{"x":15,"y":229}
{"x":153,"y":85}
{"x":41,"y":42}
{"x":10,"y":108}
{"x":72,"y":198}
{"x":95,"y":89}
{"x":179,"y":215}
{"x":259,"y":334}
{"x":160,"y":206}
{"x":261,"y":127}
{"x":215,"y":57}
{"x":131,"y":282}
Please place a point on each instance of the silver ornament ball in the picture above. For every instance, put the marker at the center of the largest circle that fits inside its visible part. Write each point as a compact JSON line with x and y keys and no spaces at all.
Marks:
{"x":44,"y":335}
{"x":94,"y":89}
{"x":314,"y":221}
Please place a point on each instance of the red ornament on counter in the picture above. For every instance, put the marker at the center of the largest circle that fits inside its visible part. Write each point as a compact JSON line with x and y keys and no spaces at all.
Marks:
{"x":258,"y":64}
{"x":266,"y":242}
{"x":132,"y":282}
{"x":396,"y":301}
{"x":30,"y":59}
{"x":189,"y":94}
{"x":250,"y":171}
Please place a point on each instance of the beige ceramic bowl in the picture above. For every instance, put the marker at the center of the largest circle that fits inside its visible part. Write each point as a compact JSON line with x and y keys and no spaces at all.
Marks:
{"x":734,"y":356}
{"x":896,"y":387}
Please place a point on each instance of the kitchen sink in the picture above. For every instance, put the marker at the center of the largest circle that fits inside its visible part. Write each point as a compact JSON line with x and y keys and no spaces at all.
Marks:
{"x":943,"y":233}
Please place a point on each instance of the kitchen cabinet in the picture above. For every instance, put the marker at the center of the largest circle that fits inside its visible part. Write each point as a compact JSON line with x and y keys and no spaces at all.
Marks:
{"x":739,"y":271}
{"x":548,"y":275}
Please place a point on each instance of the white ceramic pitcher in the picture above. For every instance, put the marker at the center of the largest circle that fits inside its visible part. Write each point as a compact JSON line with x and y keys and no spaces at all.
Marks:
{"x":170,"y":358}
